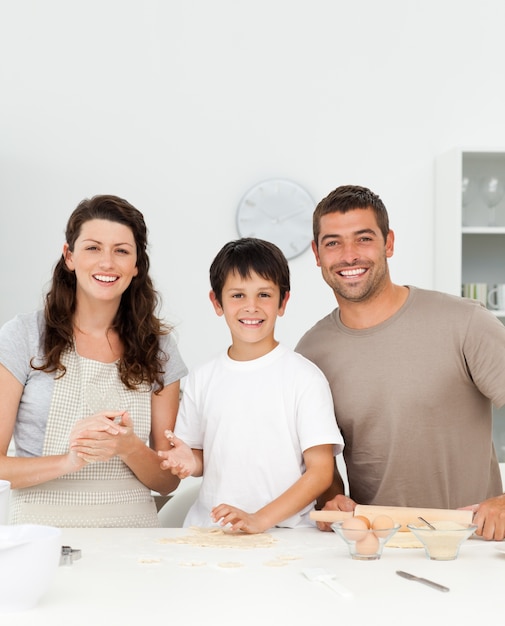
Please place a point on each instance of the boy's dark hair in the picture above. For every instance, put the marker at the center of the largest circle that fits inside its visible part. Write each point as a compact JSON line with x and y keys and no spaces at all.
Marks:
{"x":247,"y":255}
{"x":348,"y":198}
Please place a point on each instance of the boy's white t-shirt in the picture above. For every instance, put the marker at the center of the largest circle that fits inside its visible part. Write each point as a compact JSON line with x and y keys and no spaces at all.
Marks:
{"x":253,"y":420}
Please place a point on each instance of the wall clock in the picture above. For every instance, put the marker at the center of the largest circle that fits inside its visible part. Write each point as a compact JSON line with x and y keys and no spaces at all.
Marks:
{"x":279,"y":211}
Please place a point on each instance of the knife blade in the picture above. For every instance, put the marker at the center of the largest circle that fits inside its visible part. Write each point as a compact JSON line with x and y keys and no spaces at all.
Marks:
{"x":425,"y":581}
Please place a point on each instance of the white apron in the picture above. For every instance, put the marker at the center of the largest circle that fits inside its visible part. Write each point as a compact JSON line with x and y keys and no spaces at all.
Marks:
{"x":103,"y":494}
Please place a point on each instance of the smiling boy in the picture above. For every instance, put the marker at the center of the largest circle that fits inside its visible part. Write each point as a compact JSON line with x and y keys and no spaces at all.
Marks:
{"x":257,"y":421}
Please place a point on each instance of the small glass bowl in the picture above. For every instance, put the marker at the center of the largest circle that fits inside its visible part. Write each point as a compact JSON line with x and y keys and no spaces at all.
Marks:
{"x":366,"y":544}
{"x":443,"y":543}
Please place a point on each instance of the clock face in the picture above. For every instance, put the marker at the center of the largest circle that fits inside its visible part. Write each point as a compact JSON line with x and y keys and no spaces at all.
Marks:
{"x":278,"y":211}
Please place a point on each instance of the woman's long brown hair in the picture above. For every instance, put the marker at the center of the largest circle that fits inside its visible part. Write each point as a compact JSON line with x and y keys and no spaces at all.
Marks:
{"x":136,"y":322}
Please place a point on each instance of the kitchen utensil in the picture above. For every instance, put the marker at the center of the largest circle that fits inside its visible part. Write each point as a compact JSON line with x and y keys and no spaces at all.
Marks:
{"x":425,"y":581}
{"x":400,"y":514}
{"x":321,"y":575}
{"x":69,"y":555}
{"x":427,"y":523}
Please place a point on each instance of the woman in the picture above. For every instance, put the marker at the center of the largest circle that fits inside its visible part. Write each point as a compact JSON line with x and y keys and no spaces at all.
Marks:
{"x":87,"y":382}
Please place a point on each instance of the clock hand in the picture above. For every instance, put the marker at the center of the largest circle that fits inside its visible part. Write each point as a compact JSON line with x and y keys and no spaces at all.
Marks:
{"x":274,"y":220}
{"x":283,"y":218}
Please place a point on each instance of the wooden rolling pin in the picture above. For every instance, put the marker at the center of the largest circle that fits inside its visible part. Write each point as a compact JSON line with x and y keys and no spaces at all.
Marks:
{"x":400,"y":514}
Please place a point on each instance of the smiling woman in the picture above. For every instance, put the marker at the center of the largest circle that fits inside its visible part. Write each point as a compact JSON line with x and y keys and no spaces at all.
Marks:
{"x":89,"y":381}
{"x":104,"y":256}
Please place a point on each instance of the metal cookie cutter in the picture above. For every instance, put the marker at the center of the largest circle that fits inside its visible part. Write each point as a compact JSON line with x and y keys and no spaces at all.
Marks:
{"x":69,"y":555}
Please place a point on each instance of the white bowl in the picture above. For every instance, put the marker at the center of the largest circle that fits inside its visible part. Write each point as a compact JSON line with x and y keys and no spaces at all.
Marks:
{"x":29,"y":557}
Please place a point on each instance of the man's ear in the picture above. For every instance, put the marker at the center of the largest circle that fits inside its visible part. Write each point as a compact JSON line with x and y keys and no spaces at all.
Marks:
{"x":215,"y":303}
{"x":316,"y":253}
{"x":390,"y":244}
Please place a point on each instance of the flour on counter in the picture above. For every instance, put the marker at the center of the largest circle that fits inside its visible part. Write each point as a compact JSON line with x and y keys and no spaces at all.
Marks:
{"x":219,"y":538}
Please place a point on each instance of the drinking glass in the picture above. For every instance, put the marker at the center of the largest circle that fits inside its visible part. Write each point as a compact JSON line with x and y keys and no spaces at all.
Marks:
{"x":466,"y":190}
{"x":492,"y":191}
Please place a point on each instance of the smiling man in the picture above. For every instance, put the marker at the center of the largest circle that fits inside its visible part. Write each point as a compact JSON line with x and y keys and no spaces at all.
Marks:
{"x":413,"y":373}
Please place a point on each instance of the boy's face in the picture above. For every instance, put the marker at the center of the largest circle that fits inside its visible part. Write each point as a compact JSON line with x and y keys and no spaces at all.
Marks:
{"x":250,"y":307}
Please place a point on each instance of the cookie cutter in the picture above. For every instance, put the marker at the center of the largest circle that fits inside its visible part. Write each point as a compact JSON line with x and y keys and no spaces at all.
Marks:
{"x":69,"y":555}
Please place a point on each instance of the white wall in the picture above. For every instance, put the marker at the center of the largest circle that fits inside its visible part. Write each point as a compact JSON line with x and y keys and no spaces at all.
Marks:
{"x":181,"y":106}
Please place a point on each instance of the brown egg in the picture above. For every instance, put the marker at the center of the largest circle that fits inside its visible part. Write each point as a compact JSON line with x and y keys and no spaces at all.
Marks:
{"x":381,"y":524}
{"x":354,"y":529}
{"x":367,"y":546}
{"x":365,"y":519}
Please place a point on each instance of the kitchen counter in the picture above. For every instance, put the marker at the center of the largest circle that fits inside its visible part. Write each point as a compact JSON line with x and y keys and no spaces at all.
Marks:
{"x":129,"y":576}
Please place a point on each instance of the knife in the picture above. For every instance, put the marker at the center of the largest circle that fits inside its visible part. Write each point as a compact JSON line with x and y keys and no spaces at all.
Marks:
{"x":425,"y":581}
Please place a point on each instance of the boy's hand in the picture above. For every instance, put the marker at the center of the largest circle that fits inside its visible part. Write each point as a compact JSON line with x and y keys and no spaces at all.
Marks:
{"x":180,"y":459}
{"x":237,"y":519}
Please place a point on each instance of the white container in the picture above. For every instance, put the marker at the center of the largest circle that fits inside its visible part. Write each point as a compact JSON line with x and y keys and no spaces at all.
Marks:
{"x":496,"y":298}
{"x":29,"y":558}
{"x":5,"y":497}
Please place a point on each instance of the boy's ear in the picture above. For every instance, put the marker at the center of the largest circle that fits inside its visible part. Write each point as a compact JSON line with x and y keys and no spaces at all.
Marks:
{"x":217,"y":307}
{"x":282,"y":308}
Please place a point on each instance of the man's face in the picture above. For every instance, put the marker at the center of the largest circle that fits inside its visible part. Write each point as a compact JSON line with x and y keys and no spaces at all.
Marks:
{"x":352,"y":254}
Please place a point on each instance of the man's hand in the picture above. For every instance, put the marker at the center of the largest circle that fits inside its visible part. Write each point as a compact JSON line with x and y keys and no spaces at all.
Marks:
{"x":338,"y":503}
{"x":489,"y":516}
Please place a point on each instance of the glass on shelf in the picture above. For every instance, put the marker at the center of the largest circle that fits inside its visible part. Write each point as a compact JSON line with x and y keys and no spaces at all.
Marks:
{"x":466,"y":191}
{"x":492,"y":192}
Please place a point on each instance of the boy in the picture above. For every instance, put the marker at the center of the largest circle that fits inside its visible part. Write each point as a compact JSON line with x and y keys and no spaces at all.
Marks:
{"x":257,"y":422}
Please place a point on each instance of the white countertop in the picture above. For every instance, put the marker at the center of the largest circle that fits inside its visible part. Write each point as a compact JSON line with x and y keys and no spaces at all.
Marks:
{"x":127,"y":576}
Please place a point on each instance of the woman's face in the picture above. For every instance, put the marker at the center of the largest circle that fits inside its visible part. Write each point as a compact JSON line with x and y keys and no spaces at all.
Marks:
{"x":104,"y":260}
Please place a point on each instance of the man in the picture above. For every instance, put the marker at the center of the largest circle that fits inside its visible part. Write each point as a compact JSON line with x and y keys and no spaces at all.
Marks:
{"x":414,"y":374}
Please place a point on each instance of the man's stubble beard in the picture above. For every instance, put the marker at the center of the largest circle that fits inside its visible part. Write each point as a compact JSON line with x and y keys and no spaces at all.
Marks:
{"x":363,"y":292}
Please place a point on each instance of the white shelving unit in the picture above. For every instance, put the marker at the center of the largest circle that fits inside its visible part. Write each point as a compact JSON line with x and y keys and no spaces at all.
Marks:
{"x":468,"y":248}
